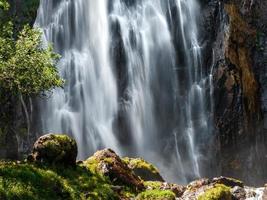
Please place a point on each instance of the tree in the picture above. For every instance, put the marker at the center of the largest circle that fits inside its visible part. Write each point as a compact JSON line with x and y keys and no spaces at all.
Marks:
{"x":27,"y":68}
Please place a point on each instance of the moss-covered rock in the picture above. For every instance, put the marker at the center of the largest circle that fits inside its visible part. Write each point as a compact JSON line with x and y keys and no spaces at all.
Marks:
{"x":108,"y":163}
{"x":143,"y":169}
{"x":55,"y":149}
{"x":156,"y":195}
{"x":178,"y":190}
{"x":218,"y":192}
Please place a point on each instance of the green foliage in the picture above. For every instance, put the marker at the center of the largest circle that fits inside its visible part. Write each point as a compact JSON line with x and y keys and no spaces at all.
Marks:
{"x":4,"y":5}
{"x":156,"y":195}
{"x":219,"y":192}
{"x":32,"y":182}
{"x":25,"y":66}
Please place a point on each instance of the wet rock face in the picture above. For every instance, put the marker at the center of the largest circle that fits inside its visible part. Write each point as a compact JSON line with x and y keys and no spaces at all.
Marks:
{"x":233,"y":46}
{"x":108,"y":163}
{"x":54,"y":149}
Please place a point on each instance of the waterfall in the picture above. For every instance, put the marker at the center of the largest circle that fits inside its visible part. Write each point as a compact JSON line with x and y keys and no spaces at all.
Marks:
{"x":134,"y":80}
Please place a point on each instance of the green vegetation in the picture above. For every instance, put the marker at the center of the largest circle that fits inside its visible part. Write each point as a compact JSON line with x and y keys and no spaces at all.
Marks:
{"x":218,"y":192}
{"x":4,"y":5}
{"x":31,"y":182}
{"x":139,"y":163}
{"x":153,"y":184}
{"x":27,"y":69}
{"x":156,"y":195}
{"x":55,"y":149}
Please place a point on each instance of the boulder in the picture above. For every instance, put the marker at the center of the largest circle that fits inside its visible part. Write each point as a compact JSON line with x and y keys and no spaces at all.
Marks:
{"x":145,"y":170}
{"x":54,"y":149}
{"x":108,"y":163}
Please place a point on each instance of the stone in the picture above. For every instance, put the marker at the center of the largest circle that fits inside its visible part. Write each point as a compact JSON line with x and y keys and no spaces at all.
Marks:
{"x":54,"y":149}
{"x":108,"y":163}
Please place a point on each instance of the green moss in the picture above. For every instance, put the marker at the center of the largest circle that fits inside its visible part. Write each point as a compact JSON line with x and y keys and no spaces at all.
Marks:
{"x":139,"y":163}
{"x":153,"y":184}
{"x":219,"y":192}
{"x":92,"y":164}
{"x":156,"y":195}
{"x":30,"y":182}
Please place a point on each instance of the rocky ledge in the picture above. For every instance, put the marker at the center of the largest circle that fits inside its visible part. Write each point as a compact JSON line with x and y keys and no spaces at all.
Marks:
{"x":51,"y":172}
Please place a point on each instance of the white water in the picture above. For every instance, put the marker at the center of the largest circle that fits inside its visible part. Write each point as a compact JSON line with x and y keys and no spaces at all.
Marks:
{"x":134,"y":80}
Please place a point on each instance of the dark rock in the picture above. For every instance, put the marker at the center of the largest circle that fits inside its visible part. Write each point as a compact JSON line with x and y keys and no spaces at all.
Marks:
{"x":108,"y":163}
{"x":54,"y":149}
{"x":235,"y":46}
{"x":230,"y":182}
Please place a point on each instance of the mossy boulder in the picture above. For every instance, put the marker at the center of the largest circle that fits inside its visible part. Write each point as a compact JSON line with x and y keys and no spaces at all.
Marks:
{"x":218,"y":192}
{"x":145,"y":170}
{"x":55,"y":149}
{"x":156,"y":195}
{"x":108,"y":163}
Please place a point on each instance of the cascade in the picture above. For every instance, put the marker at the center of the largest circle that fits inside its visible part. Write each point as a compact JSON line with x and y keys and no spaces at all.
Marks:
{"x":134,"y":81}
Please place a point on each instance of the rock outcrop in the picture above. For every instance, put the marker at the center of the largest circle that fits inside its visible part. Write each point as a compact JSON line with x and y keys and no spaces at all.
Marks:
{"x":234,"y":35}
{"x":54,"y":149}
{"x":104,"y":176}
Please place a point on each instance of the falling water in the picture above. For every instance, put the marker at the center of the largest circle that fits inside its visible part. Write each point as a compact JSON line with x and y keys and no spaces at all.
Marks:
{"x":134,"y":80}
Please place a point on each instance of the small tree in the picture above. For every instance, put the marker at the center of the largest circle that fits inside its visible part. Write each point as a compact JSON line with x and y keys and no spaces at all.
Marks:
{"x":27,"y":68}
